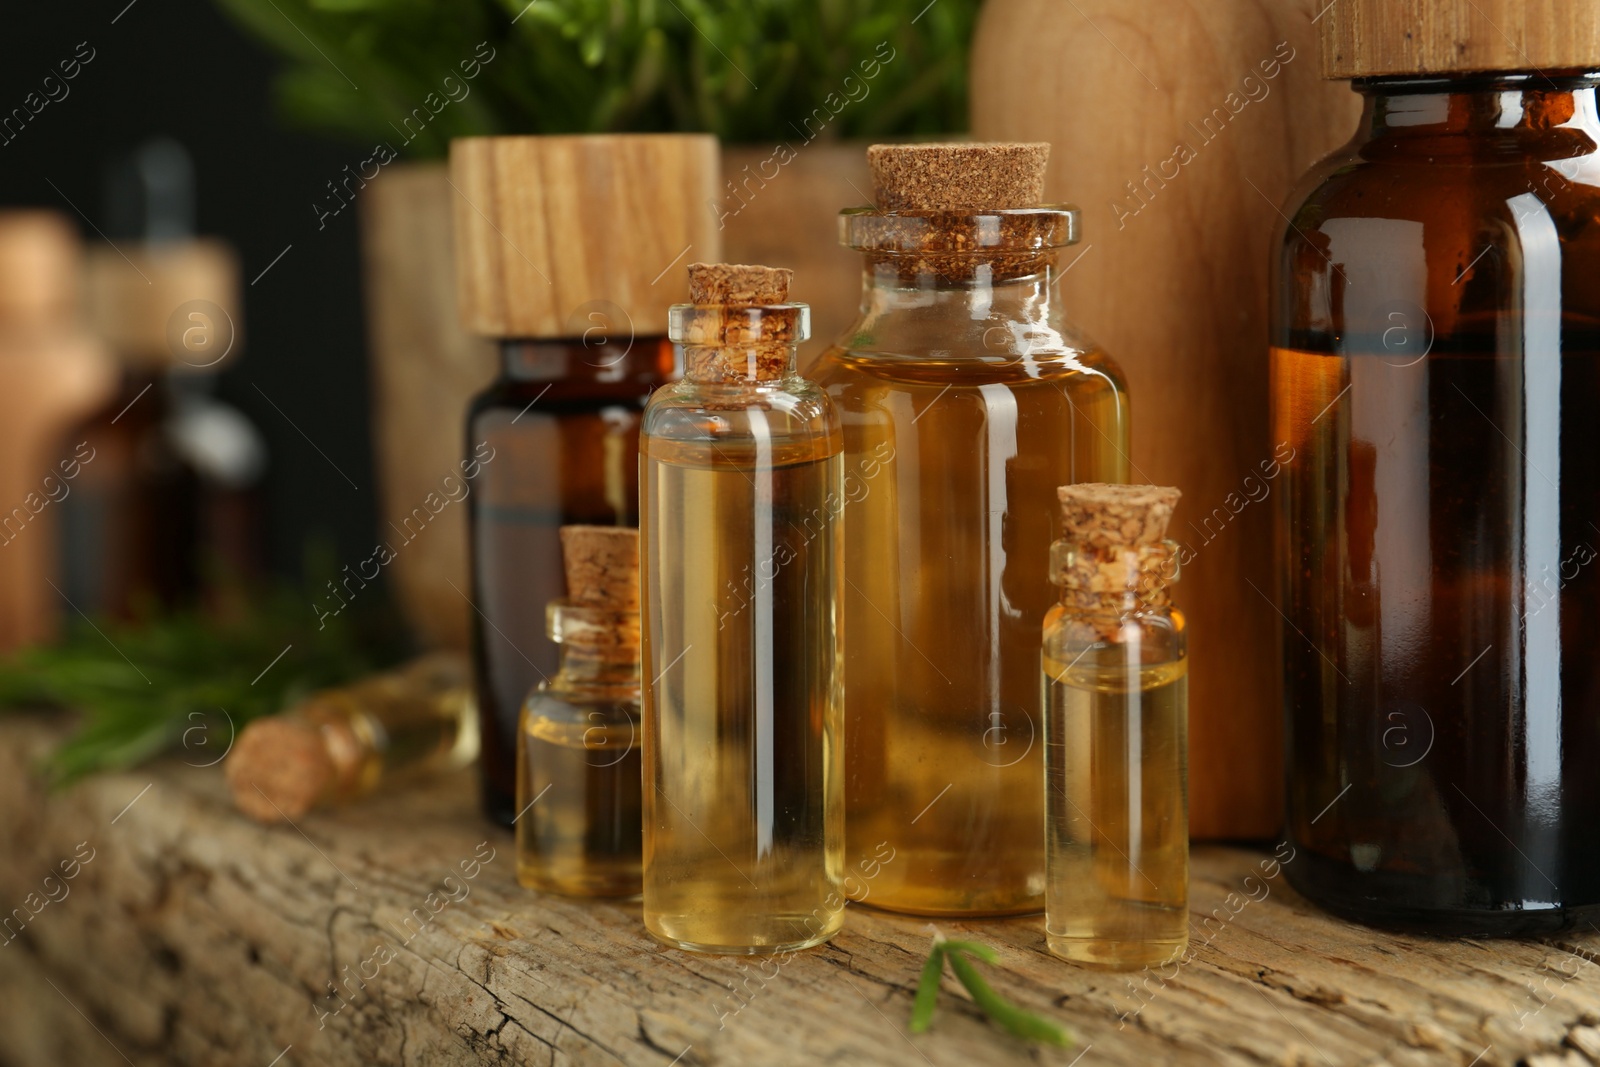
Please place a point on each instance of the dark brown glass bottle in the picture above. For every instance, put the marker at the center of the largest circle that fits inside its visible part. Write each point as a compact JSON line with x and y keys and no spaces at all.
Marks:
{"x":1436,"y":363}
{"x":557,"y":440}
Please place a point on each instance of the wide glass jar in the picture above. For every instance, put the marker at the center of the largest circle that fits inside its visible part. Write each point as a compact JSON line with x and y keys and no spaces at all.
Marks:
{"x":1436,"y":360}
{"x":966,"y":399}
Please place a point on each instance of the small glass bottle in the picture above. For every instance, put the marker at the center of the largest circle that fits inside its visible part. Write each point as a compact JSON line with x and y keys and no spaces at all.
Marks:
{"x":558,"y":242}
{"x":341,"y":744}
{"x":1435,"y":366}
{"x":1116,"y":727}
{"x":741,"y":486}
{"x":578,"y":814}
{"x":965,"y":396}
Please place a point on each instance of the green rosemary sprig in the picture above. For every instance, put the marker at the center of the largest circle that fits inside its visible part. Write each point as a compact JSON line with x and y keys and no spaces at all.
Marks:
{"x":1012,"y":1019}
{"x":187,"y":680}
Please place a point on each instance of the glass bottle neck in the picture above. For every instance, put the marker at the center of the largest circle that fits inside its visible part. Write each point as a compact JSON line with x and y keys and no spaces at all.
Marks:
{"x":1505,"y":105}
{"x":647,"y":360}
{"x":981,"y":319}
{"x":597,"y":673}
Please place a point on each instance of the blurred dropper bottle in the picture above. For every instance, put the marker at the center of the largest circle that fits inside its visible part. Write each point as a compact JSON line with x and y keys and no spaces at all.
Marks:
{"x":52,"y":373}
{"x":170,"y":508}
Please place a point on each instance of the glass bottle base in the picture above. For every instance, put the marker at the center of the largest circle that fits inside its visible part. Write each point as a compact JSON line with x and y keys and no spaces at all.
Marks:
{"x":1115,"y":955}
{"x":663,"y":930}
{"x":1414,"y":904}
{"x":594,"y":886}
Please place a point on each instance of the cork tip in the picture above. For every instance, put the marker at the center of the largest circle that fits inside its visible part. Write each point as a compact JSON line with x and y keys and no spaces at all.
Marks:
{"x":738,"y":284}
{"x":1117,"y":515}
{"x":278,"y":769}
{"x":602,"y":565}
{"x":983,"y":176}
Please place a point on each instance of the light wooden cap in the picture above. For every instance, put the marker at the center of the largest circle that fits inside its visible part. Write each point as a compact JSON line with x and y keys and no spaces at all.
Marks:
{"x":40,"y":260}
{"x":602,"y":565}
{"x":547,"y":227}
{"x":1116,"y":516}
{"x":958,"y":177}
{"x":1366,"y":38}
{"x":144,"y":298}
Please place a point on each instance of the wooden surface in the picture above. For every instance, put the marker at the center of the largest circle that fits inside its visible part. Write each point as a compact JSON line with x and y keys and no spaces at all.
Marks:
{"x":548,"y":228}
{"x":190,"y":936}
{"x":1174,"y":285}
{"x":1365,"y":37}
{"x":425,"y":368}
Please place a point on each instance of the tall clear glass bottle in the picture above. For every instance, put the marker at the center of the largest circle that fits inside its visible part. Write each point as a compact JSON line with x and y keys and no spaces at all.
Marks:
{"x":1116,"y":673}
{"x":741,"y":502}
{"x":965,"y":397}
{"x":1435,"y":362}
{"x":578,"y":814}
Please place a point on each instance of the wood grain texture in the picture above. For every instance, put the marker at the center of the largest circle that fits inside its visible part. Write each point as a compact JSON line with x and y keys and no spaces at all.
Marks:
{"x":1179,"y":127}
{"x":1366,"y":37}
{"x":791,"y":219}
{"x":548,"y":226}
{"x":425,"y":368}
{"x":195,"y":937}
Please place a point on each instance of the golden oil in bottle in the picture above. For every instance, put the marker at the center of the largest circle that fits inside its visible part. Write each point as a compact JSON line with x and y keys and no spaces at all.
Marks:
{"x":965,"y":398}
{"x":741,"y":480}
{"x":1116,"y":758}
{"x":578,"y":822}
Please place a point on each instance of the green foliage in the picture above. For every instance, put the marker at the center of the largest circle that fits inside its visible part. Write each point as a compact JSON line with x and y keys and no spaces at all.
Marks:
{"x":746,"y":70}
{"x":188,"y":681}
{"x":1012,"y":1019}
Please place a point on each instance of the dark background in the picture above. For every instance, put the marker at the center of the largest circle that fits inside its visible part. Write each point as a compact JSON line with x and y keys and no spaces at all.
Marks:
{"x":179,"y":68}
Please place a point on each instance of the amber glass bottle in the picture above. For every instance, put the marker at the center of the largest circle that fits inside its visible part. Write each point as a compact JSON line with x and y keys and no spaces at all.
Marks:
{"x":1435,"y":367}
{"x":559,"y":243}
{"x":966,"y":398}
{"x":560,"y":433}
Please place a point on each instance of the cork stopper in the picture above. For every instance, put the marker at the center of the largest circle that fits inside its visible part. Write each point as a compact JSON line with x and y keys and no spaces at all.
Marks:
{"x":738,"y":285}
{"x":279,"y":768}
{"x":1368,"y":38}
{"x":602,"y":565}
{"x":738,"y":326}
{"x":958,"y":177}
{"x":1116,"y":516}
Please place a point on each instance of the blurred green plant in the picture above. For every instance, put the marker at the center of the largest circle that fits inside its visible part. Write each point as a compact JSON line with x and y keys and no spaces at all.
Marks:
{"x":742,"y":69}
{"x":188,"y":680}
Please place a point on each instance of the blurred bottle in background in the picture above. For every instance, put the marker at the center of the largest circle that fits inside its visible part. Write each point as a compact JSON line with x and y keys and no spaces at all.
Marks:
{"x":169,"y":510}
{"x":52,"y":373}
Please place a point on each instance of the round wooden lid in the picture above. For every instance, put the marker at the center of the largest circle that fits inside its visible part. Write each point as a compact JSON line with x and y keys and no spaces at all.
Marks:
{"x":167,"y":303}
{"x":1367,"y":38}
{"x":557,"y":235}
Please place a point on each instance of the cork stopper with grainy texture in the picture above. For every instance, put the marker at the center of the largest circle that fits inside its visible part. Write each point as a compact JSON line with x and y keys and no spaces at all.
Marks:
{"x":1116,"y":516}
{"x":279,"y":768}
{"x":738,"y":284}
{"x":602,"y":565}
{"x":958,"y":177}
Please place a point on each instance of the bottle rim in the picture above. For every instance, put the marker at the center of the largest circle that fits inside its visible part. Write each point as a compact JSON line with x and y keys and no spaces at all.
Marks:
{"x":954,"y":233}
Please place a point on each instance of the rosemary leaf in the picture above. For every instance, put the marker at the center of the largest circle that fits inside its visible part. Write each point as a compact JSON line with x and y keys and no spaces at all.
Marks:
{"x":928,"y":990}
{"x":1014,"y":1020}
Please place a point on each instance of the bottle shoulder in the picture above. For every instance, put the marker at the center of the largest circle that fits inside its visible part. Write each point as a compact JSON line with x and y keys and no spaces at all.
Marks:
{"x":790,"y":408}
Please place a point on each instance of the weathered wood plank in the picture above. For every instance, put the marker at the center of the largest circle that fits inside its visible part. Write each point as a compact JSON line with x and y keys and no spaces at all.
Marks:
{"x":194,"y":937}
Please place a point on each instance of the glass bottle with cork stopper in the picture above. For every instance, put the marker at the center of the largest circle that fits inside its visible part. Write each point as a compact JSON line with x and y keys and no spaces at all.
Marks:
{"x":342,"y":744}
{"x":578,"y":777}
{"x":965,"y":396}
{"x":741,"y":487}
{"x":1115,"y":666}
{"x":559,"y":241}
{"x":1435,"y":363}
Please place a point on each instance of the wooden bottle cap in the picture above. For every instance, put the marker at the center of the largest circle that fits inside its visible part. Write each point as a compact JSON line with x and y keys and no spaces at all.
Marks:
{"x":141,"y":298}
{"x":546,"y":226}
{"x":602,"y":565}
{"x":40,"y":258}
{"x":958,"y":177}
{"x":1116,"y":516}
{"x":1365,"y":38}
{"x":738,"y":285}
